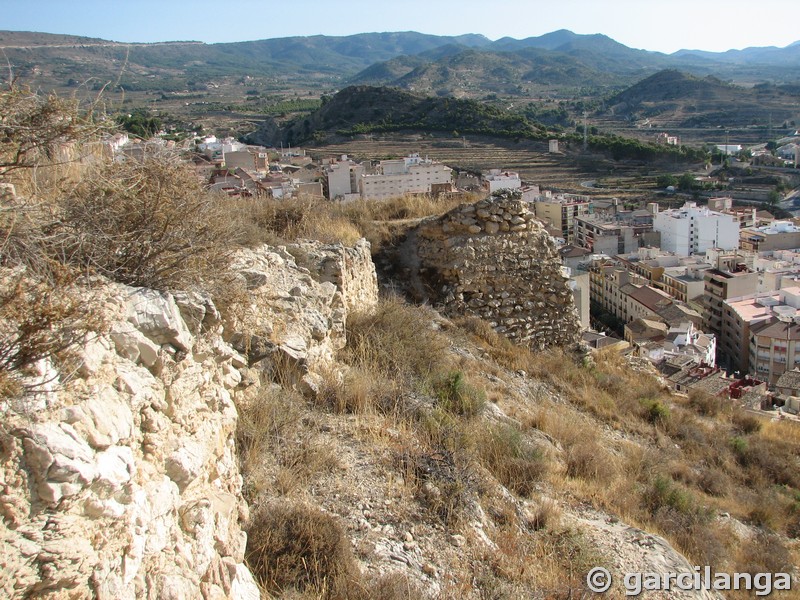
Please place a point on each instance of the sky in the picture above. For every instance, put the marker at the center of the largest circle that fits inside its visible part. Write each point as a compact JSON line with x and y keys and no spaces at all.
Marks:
{"x":662,"y":25}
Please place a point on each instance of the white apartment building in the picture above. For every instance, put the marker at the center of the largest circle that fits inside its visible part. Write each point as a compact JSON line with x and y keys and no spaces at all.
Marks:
{"x":497,"y":179}
{"x":693,"y":230}
{"x":216,"y":149}
{"x":409,"y":175}
{"x":344,"y":177}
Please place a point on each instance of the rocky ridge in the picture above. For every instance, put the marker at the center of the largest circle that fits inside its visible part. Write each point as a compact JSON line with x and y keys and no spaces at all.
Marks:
{"x":121,"y":479}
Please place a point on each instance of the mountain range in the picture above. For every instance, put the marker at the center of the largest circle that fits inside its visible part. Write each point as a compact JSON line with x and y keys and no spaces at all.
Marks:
{"x":406,"y":59}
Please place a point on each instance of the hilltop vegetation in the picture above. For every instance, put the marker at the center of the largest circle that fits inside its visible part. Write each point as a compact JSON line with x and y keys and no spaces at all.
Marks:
{"x":364,"y":109}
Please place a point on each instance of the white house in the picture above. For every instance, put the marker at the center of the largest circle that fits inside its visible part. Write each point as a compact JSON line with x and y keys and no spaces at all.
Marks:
{"x":497,"y":179}
{"x":693,"y":230}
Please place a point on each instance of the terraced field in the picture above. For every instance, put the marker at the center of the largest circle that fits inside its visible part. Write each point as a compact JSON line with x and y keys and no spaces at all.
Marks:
{"x":530,"y":159}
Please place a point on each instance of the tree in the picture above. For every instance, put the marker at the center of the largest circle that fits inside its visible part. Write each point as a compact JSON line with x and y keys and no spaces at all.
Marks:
{"x":686,"y":182}
{"x":773,"y":198}
{"x":140,"y":123}
{"x":664,"y":181}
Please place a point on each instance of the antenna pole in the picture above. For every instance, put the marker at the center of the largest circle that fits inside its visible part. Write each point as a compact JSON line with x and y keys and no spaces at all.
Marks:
{"x":585,"y":136}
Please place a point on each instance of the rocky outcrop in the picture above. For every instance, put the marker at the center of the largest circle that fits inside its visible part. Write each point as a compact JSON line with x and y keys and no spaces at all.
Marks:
{"x":120,"y":479}
{"x":298,"y":300}
{"x":494,"y":260}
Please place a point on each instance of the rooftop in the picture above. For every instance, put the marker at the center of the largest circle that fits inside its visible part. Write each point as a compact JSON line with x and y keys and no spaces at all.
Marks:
{"x":777,"y":329}
{"x":650,"y":297}
{"x":774,"y":228}
{"x":790,"y":379}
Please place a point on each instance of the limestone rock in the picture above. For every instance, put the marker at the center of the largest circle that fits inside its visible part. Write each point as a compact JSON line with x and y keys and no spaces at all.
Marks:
{"x":157,"y":316}
{"x":133,"y":344}
{"x":121,"y":480}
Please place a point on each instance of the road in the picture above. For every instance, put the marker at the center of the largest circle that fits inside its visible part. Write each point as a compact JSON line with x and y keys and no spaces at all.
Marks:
{"x":788,"y":203}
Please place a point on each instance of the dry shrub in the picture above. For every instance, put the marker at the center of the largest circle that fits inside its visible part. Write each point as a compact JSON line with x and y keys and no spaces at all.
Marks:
{"x":769,"y":460}
{"x":713,"y":482}
{"x":146,"y":223}
{"x":764,"y":553}
{"x":297,"y":547}
{"x":512,"y":458}
{"x":38,"y":130}
{"x":358,"y":391}
{"x":43,"y":313}
{"x":393,"y":586}
{"x":396,"y":341}
{"x":40,"y":319}
{"x":589,"y":460}
{"x":745,"y":423}
{"x":584,"y":452}
{"x":554,"y":562}
{"x":676,"y":511}
{"x":546,"y":516}
{"x":442,"y":480}
{"x":706,"y":404}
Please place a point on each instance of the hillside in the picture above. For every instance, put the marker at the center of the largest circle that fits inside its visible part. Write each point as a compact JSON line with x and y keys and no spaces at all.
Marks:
{"x":257,"y":414}
{"x":365,"y":109}
{"x":472,"y":72}
{"x":359,"y":110}
{"x":677,"y":99}
{"x":57,"y":61}
{"x":53,"y":60}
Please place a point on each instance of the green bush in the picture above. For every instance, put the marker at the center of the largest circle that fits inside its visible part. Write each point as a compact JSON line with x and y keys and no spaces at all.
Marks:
{"x":656,"y":412}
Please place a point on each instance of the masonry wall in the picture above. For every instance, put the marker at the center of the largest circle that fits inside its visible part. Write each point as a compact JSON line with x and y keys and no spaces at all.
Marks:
{"x":494,"y":260}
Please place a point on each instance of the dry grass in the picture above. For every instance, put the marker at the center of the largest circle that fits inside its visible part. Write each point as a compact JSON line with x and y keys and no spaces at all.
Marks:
{"x":552,"y":561}
{"x":516,"y":461}
{"x":396,"y":341}
{"x":277,"y":451}
{"x":266,"y":221}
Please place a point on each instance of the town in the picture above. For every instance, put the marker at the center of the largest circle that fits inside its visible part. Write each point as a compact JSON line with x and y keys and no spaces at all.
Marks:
{"x":710,"y":294}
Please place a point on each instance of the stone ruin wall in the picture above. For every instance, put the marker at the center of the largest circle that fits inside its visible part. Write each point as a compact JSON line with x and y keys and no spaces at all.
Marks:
{"x":494,"y":260}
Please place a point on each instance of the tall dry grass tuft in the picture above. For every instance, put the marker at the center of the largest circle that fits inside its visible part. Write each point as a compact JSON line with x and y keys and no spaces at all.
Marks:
{"x":516,"y":461}
{"x":297,"y":547}
{"x":396,"y":341}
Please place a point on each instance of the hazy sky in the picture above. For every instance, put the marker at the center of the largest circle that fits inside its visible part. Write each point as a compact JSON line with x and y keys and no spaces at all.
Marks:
{"x":664,"y":25}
